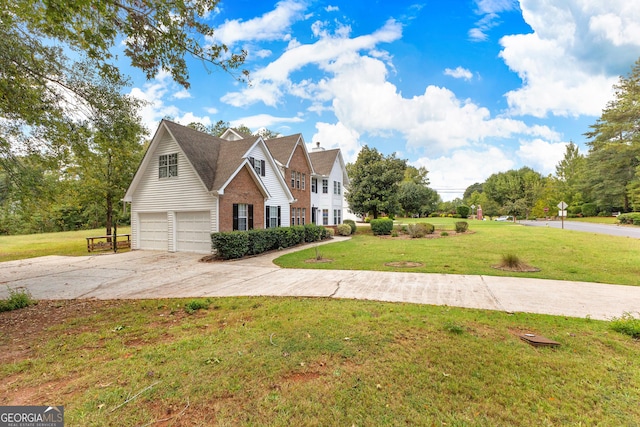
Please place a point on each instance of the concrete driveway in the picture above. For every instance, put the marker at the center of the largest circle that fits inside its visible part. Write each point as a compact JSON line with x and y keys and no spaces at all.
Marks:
{"x":149,"y":274}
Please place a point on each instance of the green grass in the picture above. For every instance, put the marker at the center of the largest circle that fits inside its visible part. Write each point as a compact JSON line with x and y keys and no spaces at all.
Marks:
{"x":17,"y":299}
{"x":559,"y":254}
{"x":288,"y":361}
{"x":71,"y":243}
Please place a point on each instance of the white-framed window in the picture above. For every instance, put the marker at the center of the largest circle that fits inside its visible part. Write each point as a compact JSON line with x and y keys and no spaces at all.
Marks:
{"x":336,"y":187}
{"x":258,"y":166}
{"x":325,"y":216}
{"x":293,"y":179}
{"x":299,"y":215}
{"x":298,"y":180}
{"x":314,"y":185}
{"x":304,"y":179}
{"x":337,"y":216}
{"x":325,"y":186}
{"x":168,"y":165}
{"x":304,"y":215}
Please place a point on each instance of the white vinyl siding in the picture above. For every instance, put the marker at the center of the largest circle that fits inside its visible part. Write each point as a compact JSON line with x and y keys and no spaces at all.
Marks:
{"x":331,"y":200}
{"x":278,"y":197}
{"x":164,"y":197}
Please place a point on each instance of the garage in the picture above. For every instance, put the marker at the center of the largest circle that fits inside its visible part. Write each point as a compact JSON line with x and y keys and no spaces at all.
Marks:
{"x":193,"y":232}
{"x":153,"y":231}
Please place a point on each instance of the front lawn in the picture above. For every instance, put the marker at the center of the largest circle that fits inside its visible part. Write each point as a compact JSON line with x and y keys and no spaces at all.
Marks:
{"x":559,"y":254}
{"x":301,"y":361}
{"x":70,"y":243}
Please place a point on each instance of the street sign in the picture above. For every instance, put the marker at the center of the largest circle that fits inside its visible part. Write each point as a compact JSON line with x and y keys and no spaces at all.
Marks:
{"x":563,"y":212}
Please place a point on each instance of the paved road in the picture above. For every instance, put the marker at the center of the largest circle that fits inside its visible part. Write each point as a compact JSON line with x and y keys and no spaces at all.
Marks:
{"x":615,"y":230}
{"x":149,"y":274}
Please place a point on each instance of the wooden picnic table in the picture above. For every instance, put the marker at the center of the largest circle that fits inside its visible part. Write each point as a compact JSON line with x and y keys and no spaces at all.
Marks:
{"x":105,"y":243}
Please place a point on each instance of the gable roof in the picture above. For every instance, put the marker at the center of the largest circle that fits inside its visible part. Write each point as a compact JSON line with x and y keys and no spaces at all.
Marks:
{"x":232,"y":134}
{"x":282,"y":148}
{"x":215,"y":160}
{"x":324,"y":160}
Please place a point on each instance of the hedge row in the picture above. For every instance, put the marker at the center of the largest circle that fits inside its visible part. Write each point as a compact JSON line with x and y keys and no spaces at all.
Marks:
{"x":630,"y":218}
{"x":236,"y":244}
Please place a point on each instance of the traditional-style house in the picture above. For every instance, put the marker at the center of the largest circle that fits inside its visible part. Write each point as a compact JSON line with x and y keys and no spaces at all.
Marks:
{"x":327,"y":186}
{"x":290,"y":152}
{"x":190,"y":184}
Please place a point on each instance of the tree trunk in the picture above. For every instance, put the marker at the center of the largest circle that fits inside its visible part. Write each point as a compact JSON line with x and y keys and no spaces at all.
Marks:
{"x":109,"y":222}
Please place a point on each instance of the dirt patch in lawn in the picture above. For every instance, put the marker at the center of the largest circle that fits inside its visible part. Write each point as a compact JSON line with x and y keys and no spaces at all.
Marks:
{"x":23,"y":330}
{"x":403,"y":264}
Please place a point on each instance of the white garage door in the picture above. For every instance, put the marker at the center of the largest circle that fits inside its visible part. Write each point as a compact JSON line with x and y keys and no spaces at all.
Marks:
{"x":153,"y":231}
{"x":193,"y":232}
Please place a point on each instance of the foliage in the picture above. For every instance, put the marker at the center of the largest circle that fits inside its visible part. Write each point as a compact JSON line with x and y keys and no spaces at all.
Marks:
{"x":18,"y":298}
{"x":343,"y":230}
{"x":416,"y":198}
{"x":196,"y":304}
{"x":374,"y":180}
{"x":461,"y":226}
{"x":157,"y":35}
{"x":630,"y":218}
{"x":627,"y":324}
{"x":589,"y":209}
{"x":416,"y":231}
{"x":463,"y":211}
{"x":230,"y":245}
{"x":416,"y":175}
{"x":515,"y":191}
{"x":613,"y":174}
{"x":570,"y":175}
{"x":351,"y":223}
{"x":236,"y":244}
{"x":381,"y":226}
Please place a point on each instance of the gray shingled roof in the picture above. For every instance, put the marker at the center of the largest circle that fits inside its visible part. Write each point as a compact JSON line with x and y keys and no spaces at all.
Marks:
{"x":323,"y":161}
{"x":213,"y":158}
{"x":282,"y":148}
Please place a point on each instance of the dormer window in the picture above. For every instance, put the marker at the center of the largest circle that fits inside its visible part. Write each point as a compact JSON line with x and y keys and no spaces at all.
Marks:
{"x":168,"y":165}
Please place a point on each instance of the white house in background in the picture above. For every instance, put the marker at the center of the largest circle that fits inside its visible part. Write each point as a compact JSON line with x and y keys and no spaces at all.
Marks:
{"x":190,"y":184}
{"x":327,"y":186}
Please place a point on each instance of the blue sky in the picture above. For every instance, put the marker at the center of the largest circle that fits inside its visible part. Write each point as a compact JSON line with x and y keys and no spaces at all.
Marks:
{"x":465,"y":88}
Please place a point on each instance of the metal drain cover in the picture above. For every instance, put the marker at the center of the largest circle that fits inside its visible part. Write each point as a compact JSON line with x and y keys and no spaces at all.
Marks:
{"x":538,"y":340}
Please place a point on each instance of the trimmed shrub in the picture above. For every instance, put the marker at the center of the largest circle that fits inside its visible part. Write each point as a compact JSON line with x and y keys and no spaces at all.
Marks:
{"x":429,"y":227}
{"x":261,"y":241}
{"x":632,"y":218}
{"x":381,"y":226}
{"x":230,"y":245}
{"x":313,"y":233}
{"x":351,"y":223}
{"x":463,"y":211}
{"x":328,"y":232}
{"x":416,"y":231}
{"x":589,"y":209}
{"x":343,"y":230}
{"x":462,"y":226}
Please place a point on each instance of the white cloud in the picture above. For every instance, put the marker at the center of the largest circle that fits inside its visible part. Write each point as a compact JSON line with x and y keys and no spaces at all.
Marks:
{"x":451,"y":175}
{"x":458,"y":73}
{"x":182,"y":94}
{"x":330,"y":8}
{"x":337,"y":136}
{"x":540,"y":155}
{"x":490,"y":9}
{"x":575,"y":54}
{"x":152,"y":93}
{"x":211,"y":110}
{"x":270,"y":83}
{"x":189,"y":117}
{"x":264,"y":121}
{"x":270,"y":26}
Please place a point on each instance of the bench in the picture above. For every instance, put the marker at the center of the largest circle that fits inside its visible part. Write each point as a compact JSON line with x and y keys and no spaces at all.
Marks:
{"x":105,"y":243}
